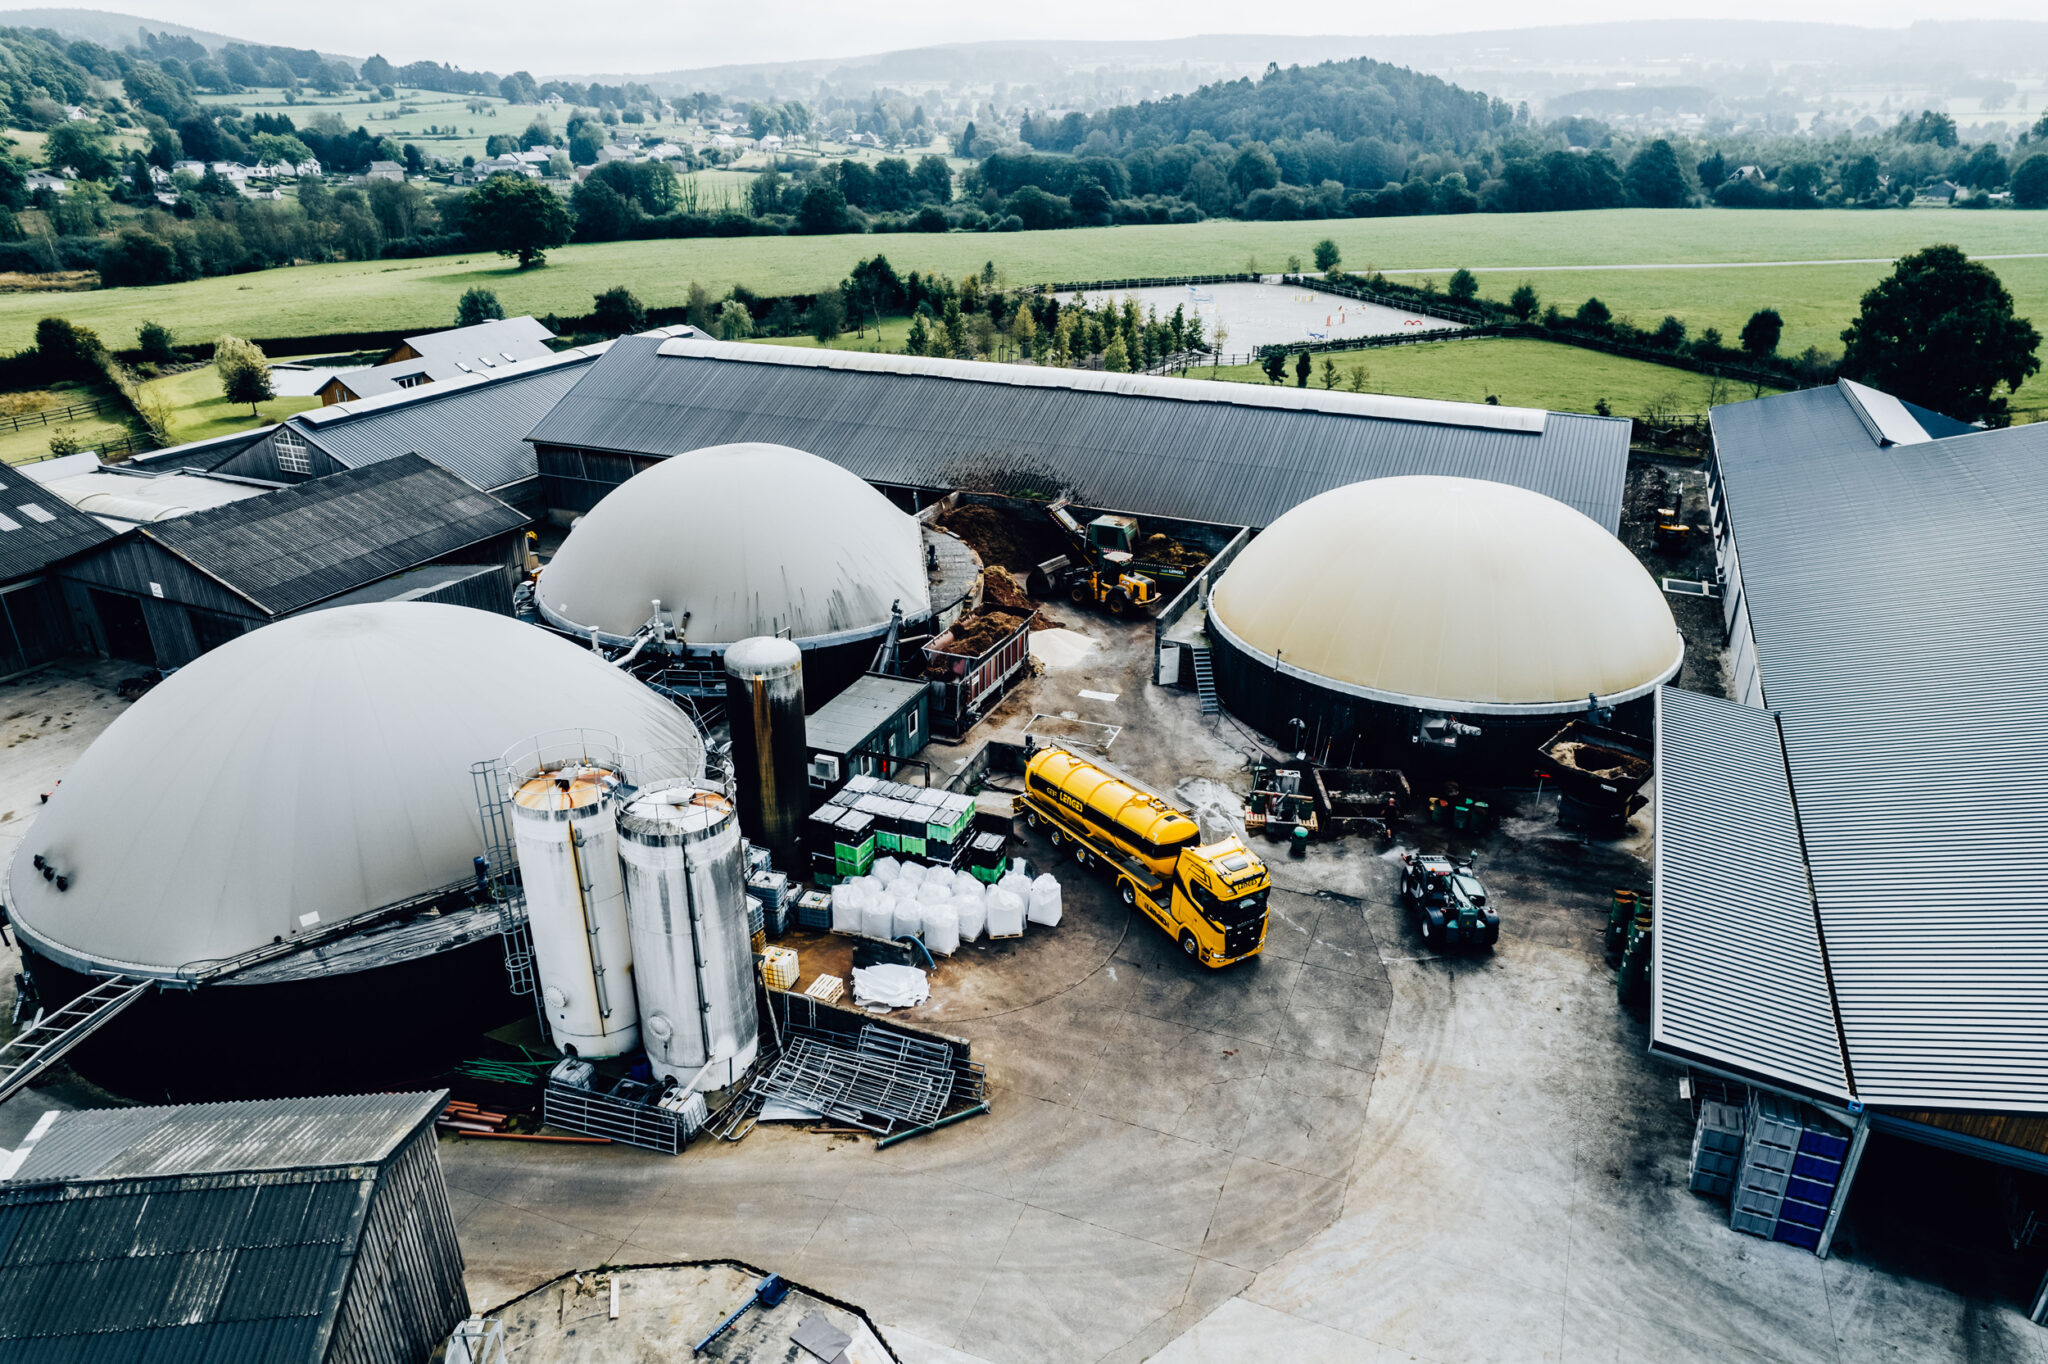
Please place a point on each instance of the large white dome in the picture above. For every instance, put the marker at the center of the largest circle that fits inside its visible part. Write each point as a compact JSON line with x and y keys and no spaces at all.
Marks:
{"x":317,"y":766}
{"x":1449,"y":594}
{"x":750,"y":539}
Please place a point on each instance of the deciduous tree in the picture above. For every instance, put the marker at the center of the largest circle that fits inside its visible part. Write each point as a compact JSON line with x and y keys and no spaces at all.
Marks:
{"x":1941,"y":332}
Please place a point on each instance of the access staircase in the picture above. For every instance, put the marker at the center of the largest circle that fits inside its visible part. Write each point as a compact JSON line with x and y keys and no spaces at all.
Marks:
{"x":1205,"y":681}
{"x":43,"y":1043}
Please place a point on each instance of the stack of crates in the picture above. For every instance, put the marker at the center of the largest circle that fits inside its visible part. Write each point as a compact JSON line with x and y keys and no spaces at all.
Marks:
{"x":1716,"y":1150}
{"x":988,"y":856}
{"x":1769,"y":1147}
{"x":779,"y":968}
{"x":1816,"y":1171}
{"x":841,"y":842}
{"x":814,"y":909}
{"x":946,"y":828}
{"x":773,"y":890}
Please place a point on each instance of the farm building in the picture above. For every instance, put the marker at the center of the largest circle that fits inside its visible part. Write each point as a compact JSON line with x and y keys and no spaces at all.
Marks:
{"x":437,"y":357}
{"x":1848,"y":863}
{"x":285,"y":1230}
{"x":331,"y":754}
{"x":1228,"y":454}
{"x":38,"y":532}
{"x":471,"y":425}
{"x":1436,"y":621}
{"x":123,"y":496}
{"x":170,"y":590}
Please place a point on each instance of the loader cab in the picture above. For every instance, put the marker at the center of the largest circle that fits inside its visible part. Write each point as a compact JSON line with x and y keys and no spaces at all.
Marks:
{"x":1114,"y":535}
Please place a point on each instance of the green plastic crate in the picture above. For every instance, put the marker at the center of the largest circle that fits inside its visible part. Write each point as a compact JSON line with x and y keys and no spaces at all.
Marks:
{"x":887,"y":842}
{"x":911,"y":844}
{"x":991,"y":874}
{"x":854,"y":852}
{"x":948,"y":832}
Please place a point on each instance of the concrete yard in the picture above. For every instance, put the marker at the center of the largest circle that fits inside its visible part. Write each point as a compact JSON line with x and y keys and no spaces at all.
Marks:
{"x":1348,"y":1148}
{"x":1256,"y":315}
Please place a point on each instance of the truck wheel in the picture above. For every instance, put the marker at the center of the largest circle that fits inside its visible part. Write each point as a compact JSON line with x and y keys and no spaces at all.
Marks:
{"x":1079,"y":595}
{"x":1118,"y":603}
{"x":1425,"y":930}
{"x":1056,"y":837}
{"x":1082,"y":857}
{"x":1128,"y":893}
{"x":1033,"y":818}
{"x":1189,"y":946}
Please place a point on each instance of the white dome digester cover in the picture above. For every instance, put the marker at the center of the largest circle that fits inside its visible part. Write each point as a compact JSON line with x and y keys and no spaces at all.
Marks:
{"x":749,"y":539}
{"x":1452,"y":594}
{"x":316,"y":766}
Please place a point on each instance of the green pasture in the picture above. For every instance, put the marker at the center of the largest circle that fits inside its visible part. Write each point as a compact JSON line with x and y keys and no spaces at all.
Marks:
{"x":1816,"y":300}
{"x":1519,"y":374}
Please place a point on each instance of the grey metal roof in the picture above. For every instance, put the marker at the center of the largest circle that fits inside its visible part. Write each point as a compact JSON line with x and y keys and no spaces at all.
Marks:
{"x":1895,"y":595}
{"x":848,"y":719}
{"x":1737,"y":979}
{"x":224,"y":1138}
{"x":1223,"y":453}
{"x":218,"y":1267}
{"x":37,"y":527}
{"x":315,"y":540}
{"x":474,"y":428}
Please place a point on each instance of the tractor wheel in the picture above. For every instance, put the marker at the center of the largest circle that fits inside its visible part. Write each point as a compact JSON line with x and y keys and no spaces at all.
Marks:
{"x":1082,"y":857}
{"x":1056,"y":837}
{"x":1079,"y":594}
{"x":1118,"y":603}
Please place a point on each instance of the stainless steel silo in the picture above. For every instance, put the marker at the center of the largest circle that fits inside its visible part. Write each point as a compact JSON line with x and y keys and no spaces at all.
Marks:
{"x":693,"y":960}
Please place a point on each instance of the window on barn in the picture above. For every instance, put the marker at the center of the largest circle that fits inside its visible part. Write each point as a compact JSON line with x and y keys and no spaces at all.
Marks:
{"x":294,"y":456}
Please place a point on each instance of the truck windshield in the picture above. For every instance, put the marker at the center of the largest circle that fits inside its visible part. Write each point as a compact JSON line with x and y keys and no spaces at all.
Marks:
{"x":1228,"y":913}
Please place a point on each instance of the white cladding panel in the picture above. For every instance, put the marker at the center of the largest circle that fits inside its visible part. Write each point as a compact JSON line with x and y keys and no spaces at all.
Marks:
{"x":693,"y":958}
{"x":576,"y":911}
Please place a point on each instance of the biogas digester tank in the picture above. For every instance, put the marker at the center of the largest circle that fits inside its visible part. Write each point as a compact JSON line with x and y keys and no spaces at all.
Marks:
{"x":686,"y":903}
{"x":565,"y":826}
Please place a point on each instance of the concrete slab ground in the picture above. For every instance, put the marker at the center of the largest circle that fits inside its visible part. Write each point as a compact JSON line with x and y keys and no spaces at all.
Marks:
{"x":1346,"y":1149}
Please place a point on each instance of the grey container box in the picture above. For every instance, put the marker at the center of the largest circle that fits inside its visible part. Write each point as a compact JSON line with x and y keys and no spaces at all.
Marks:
{"x":1770,"y":1182}
{"x":1715,"y":1163}
{"x":1751,"y":1224}
{"x":1765,"y":1156}
{"x":1760,"y":1204}
{"x":1720,"y":1128}
{"x":1775,"y":1120}
{"x":1713,"y":1186}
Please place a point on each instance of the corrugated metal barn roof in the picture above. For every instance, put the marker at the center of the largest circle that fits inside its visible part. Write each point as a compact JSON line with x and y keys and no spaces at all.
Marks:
{"x":304,"y":544}
{"x":1895,"y":595}
{"x":221,"y":1138}
{"x":37,"y":527}
{"x":1223,"y":453}
{"x":1738,"y":978}
{"x":217,"y":1231}
{"x":472,"y":427}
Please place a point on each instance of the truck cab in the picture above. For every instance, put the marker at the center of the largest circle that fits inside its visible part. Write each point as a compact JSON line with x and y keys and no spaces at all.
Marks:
{"x":1220,"y":894}
{"x":1448,"y":902}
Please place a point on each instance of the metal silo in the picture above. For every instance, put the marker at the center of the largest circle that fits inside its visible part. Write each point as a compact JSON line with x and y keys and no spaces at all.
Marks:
{"x":686,"y":902}
{"x":565,"y":828}
{"x":764,"y":695}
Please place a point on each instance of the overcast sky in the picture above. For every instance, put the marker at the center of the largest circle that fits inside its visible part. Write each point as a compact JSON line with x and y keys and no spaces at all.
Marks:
{"x":548,"y":37}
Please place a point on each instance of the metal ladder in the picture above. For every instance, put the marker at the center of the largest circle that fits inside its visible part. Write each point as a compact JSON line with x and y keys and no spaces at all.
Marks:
{"x":502,"y":876}
{"x":43,"y":1042}
{"x":1205,"y":681}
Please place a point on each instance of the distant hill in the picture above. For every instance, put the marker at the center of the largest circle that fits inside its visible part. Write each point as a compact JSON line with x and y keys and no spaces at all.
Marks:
{"x":107,"y":28}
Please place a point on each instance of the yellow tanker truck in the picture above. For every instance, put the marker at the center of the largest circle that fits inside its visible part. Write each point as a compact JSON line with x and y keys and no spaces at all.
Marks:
{"x":1210,"y":898}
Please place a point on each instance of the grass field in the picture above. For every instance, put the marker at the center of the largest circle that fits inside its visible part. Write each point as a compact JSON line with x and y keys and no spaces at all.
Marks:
{"x":200,"y":412}
{"x":33,"y":442}
{"x":1817,"y":301}
{"x":1518,"y":373}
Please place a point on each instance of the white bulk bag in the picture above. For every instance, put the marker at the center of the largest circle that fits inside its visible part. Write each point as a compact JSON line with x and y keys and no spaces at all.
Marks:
{"x":1005,"y":914}
{"x":972,"y":913}
{"x":941,"y":929}
{"x":909,"y":919}
{"x":912,"y":873}
{"x":1045,"y":901}
{"x":886,"y":870}
{"x":877,"y":917}
{"x":847,"y":898}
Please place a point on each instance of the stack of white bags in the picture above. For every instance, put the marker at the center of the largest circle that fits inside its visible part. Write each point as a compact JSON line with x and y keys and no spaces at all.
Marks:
{"x":942,"y":907}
